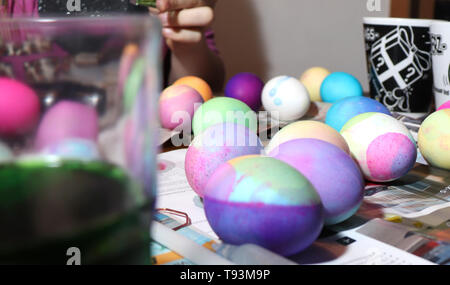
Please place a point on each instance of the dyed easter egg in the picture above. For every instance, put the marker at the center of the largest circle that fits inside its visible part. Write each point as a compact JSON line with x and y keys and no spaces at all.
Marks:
{"x":5,"y":153}
{"x":339,"y":85}
{"x":446,"y":105}
{"x":177,"y":106}
{"x":79,"y":149}
{"x":223,"y":109}
{"x":264,"y":201}
{"x":308,"y":129}
{"x":246,"y":87}
{"x":198,"y":84}
{"x":381,"y":145}
{"x":215,"y":146}
{"x":434,"y":139}
{"x":129,"y":56}
{"x":19,"y":108}
{"x":312,"y":79}
{"x":133,"y":83}
{"x":331,"y":171}
{"x":347,"y":108}
{"x":65,"y":120}
{"x":286,"y":97}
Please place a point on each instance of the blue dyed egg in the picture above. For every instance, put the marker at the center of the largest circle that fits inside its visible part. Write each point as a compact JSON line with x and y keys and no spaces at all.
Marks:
{"x":347,"y":108}
{"x":339,"y":85}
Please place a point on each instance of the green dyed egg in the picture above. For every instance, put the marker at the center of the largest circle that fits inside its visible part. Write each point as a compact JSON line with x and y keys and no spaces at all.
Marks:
{"x":223,"y":110}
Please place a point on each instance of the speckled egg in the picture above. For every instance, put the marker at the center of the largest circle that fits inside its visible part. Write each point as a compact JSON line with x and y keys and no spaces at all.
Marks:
{"x":446,"y":105}
{"x":347,"y":108}
{"x":65,"y":120}
{"x":262,"y":200}
{"x":434,"y":139}
{"x":286,"y":98}
{"x":332,"y":172}
{"x":312,"y":79}
{"x":5,"y":153}
{"x":78,"y":149}
{"x":339,"y":85}
{"x":177,"y":106}
{"x":19,"y":108}
{"x":307,"y":129}
{"x":382,"y":146}
{"x":215,"y":146}
{"x":198,"y":84}
{"x":246,"y":87}
{"x":223,"y":109}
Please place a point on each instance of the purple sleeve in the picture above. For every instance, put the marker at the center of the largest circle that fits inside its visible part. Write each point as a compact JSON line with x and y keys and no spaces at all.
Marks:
{"x":211,"y":41}
{"x":19,"y":8}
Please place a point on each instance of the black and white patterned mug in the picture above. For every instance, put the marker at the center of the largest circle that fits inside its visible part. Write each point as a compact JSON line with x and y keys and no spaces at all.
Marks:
{"x":399,"y":63}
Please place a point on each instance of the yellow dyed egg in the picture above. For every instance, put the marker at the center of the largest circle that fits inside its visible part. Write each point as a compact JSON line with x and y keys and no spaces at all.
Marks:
{"x":312,"y":79}
{"x":308,"y":130}
{"x":434,"y":139}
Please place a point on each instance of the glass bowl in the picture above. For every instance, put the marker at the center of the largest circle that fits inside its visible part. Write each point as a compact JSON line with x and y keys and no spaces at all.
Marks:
{"x":78,"y":139}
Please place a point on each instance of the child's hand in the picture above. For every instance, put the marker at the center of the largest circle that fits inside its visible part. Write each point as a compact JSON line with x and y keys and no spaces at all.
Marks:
{"x":184,"y":21}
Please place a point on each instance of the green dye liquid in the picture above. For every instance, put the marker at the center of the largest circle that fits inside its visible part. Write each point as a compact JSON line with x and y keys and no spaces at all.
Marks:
{"x":148,"y":3}
{"x":47,"y":208}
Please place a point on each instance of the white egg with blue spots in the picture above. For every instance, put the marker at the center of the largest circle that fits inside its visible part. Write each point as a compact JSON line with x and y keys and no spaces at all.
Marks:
{"x":286,"y":97}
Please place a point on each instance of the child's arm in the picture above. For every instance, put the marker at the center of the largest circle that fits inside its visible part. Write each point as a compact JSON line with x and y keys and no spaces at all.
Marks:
{"x":185,"y":22}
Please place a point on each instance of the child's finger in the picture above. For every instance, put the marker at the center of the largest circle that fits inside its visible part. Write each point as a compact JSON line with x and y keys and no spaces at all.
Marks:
{"x":170,"y":5}
{"x":195,"y":17}
{"x":153,"y":11}
{"x":183,"y":35}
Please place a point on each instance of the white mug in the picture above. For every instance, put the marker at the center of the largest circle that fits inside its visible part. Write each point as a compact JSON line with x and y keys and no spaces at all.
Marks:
{"x":440,"y":40}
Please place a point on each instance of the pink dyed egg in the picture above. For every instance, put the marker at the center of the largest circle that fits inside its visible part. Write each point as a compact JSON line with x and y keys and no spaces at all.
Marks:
{"x":67,"y":120}
{"x":177,"y":105}
{"x":19,"y":108}
{"x":446,"y":105}
{"x":215,"y":146}
{"x":381,"y":145}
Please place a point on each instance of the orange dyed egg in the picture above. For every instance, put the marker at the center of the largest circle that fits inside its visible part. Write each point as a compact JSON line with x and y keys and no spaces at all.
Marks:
{"x":198,"y":84}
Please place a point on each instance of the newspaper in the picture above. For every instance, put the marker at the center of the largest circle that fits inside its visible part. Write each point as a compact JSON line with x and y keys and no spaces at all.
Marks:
{"x":411,"y":121}
{"x":353,"y":247}
{"x":174,"y":191}
{"x":161,"y":255}
{"x":422,"y":195}
{"x":425,"y":228}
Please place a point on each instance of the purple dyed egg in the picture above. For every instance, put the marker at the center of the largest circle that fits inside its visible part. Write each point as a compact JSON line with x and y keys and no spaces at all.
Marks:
{"x":67,"y":120}
{"x":215,"y":146}
{"x":262,"y":200}
{"x":246,"y":87}
{"x":333,"y":173}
